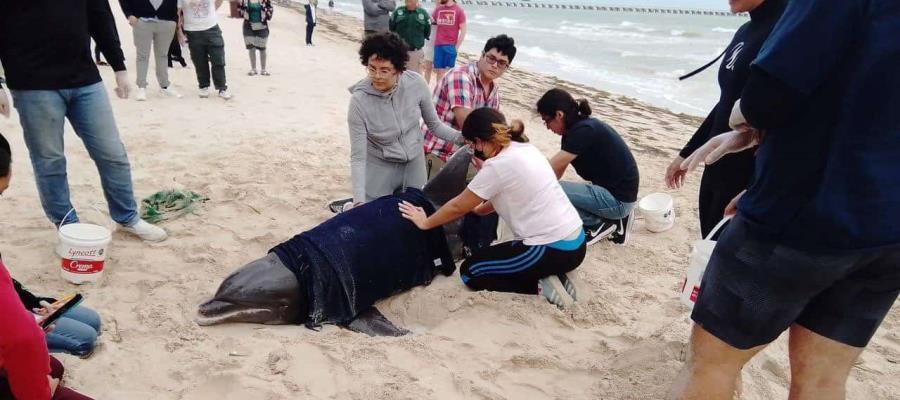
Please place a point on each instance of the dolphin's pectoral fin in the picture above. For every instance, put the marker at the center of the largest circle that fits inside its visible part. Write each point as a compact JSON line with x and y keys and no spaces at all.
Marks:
{"x":373,"y":323}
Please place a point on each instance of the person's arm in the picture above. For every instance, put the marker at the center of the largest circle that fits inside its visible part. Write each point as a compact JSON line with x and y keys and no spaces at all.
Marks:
{"x":387,"y":6}
{"x":29,"y":300}
{"x":432,"y":120}
{"x":102,"y":27}
{"x":392,"y":23}
{"x":462,"y":35}
{"x":561,"y":161}
{"x":767,"y":102}
{"x":428,"y":28}
{"x":23,"y":349}
{"x":358,"y":144}
{"x":371,"y":8}
{"x":783,"y":72}
{"x":701,"y":135}
{"x":126,"y":9}
{"x":453,"y":210}
{"x":460,"y":114}
{"x":484,"y":209}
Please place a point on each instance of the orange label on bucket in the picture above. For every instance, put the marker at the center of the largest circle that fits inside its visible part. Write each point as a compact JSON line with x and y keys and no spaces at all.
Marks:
{"x":82,"y":266}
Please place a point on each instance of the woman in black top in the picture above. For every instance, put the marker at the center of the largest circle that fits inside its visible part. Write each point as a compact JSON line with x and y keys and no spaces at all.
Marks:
{"x":599,"y":156}
{"x":725,"y":179}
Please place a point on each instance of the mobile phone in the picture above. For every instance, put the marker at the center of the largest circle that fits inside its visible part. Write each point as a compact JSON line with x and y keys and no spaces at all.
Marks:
{"x":70,"y":302}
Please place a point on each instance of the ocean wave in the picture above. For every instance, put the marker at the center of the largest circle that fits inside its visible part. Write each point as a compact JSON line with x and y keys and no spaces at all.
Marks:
{"x":479,"y":17}
{"x":724,"y":30}
{"x":508,"y":21}
{"x":626,"y":24}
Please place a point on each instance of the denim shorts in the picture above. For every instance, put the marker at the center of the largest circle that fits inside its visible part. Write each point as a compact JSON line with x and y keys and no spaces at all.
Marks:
{"x":755,"y":288}
{"x":444,"y":56}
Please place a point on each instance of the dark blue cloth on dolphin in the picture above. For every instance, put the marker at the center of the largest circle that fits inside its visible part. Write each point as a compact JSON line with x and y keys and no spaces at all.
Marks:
{"x":363,"y":255}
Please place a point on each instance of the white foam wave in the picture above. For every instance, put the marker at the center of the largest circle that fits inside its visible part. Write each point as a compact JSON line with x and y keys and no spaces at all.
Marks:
{"x":676,"y":32}
{"x":724,"y":30}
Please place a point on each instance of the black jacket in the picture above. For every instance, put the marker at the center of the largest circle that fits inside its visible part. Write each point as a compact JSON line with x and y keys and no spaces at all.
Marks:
{"x":46,"y":44}
{"x":143,"y":9}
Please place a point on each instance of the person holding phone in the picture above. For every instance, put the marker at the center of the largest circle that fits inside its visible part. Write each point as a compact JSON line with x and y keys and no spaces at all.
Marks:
{"x":74,"y":333}
{"x":26,"y":369}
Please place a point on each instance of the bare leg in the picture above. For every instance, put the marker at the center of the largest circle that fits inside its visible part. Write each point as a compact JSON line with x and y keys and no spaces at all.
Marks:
{"x":819,"y":365}
{"x":252,"y":53}
{"x":713,"y":369}
{"x":439,"y":74}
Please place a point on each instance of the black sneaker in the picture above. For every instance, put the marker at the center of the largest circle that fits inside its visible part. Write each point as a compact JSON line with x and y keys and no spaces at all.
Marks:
{"x":596,"y":233}
{"x":337,"y":206}
{"x":624,"y":229}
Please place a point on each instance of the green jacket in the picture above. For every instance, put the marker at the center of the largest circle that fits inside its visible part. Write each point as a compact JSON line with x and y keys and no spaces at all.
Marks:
{"x":412,"y":26}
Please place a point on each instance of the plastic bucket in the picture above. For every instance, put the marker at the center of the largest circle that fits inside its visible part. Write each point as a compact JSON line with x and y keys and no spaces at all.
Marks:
{"x":82,"y":248}
{"x":658,"y":210}
{"x":700,"y":255}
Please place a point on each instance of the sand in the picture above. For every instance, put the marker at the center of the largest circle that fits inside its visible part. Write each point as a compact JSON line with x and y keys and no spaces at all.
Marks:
{"x":270,"y":159}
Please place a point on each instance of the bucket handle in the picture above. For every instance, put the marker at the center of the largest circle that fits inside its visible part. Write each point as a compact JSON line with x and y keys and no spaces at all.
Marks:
{"x":718,"y":227}
{"x":93,"y":207}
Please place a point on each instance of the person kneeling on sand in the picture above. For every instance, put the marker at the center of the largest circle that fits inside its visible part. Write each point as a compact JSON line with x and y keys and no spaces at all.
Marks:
{"x":601,"y":157}
{"x":385,"y":110}
{"x":75,"y":333}
{"x":518,"y":183}
{"x":26,"y":369}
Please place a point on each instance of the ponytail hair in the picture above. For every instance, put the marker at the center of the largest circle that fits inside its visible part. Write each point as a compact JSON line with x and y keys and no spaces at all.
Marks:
{"x":560,"y":100}
{"x":489,"y":125}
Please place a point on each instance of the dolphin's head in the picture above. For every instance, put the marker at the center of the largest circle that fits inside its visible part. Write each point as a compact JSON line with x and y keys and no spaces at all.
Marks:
{"x":262,"y":292}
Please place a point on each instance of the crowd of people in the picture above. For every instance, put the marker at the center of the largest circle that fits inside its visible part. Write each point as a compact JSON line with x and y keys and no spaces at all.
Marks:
{"x":800,"y":150}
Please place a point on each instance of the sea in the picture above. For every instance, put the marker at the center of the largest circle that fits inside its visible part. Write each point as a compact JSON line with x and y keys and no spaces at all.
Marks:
{"x":633,"y":54}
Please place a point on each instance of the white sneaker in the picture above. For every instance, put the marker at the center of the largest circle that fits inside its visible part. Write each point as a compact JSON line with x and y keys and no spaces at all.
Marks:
{"x":170,"y":92}
{"x":574,"y":287}
{"x":204,"y":92}
{"x":554,"y":291}
{"x":225,"y":94}
{"x":141,"y":94}
{"x":146,"y":231}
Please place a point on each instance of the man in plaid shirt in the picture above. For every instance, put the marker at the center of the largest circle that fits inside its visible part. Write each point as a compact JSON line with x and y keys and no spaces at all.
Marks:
{"x":464,"y":89}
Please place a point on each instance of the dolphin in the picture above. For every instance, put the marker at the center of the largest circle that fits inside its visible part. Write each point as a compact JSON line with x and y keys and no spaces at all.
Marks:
{"x":265,"y":291}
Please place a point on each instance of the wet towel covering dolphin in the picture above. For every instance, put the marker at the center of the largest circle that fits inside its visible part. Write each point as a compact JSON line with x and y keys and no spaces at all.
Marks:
{"x":363,"y":255}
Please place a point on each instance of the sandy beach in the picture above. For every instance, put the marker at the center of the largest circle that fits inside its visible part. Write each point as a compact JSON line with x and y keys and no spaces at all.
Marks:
{"x":270,"y":159}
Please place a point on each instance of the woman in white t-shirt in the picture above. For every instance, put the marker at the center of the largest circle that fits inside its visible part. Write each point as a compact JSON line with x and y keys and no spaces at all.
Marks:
{"x":517,"y":182}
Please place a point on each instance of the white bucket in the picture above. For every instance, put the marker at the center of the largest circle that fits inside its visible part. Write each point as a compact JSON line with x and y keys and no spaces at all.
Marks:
{"x":700,"y":255}
{"x":658,"y":210}
{"x":83,"y":249}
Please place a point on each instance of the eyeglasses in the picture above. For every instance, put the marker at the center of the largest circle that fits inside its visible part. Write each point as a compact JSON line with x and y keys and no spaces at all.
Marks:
{"x":373,"y":72}
{"x":502,"y":64}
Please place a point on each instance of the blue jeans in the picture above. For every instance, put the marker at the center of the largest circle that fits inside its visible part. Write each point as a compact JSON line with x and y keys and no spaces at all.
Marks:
{"x":595,"y":203}
{"x":43,"y":114}
{"x":75,"y":333}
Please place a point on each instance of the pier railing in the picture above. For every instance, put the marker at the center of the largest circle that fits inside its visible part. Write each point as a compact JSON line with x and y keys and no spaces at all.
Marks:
{"x":596,"y":8}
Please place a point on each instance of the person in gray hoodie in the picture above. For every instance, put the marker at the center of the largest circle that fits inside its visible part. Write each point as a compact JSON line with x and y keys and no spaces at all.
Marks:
{"x":377,"y":16}
{"x":384,"y":116}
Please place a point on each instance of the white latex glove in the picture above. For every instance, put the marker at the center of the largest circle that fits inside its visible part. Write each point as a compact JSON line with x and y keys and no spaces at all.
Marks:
{"x":123,"y":87}
{"x":4,"y":103}
{"x":737,"y":120}
{"x":719,"y":146}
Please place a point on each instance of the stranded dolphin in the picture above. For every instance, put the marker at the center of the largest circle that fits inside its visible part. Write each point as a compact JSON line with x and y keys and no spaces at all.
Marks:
{"x":267,"y":291}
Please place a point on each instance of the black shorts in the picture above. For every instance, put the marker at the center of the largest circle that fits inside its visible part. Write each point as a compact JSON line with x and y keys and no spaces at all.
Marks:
{"x":754,"y":289}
